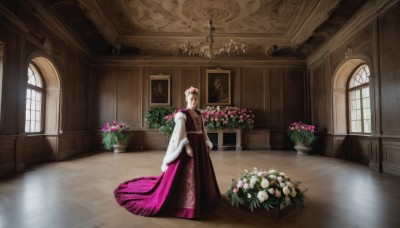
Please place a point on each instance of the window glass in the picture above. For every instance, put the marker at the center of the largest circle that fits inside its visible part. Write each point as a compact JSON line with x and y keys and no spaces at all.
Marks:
{"x":359,"y":101}
{"x":34,"y":94}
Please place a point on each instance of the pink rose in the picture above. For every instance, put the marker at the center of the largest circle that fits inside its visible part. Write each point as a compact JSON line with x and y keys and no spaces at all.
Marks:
{"x":278,"y":194}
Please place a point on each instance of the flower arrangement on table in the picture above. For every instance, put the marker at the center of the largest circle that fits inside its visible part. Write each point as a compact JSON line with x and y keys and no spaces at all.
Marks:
{"x":115,"y":133}
{"x":300,"y":132}
{"x":265,"y":189}
{"x":215,"y":117}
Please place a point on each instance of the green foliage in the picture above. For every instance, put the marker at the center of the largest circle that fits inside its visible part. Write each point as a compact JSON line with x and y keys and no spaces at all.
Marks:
{"x":168,"y":127}
{"x":155,"y":116}
{"x":299,"y":132}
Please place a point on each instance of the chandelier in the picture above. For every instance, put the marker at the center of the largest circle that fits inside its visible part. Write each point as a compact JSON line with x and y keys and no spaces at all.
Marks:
{"x":206,"y":48}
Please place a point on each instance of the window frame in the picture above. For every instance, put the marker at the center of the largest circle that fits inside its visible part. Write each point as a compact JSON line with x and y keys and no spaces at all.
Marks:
{"x":42,"y":90}
{"x":358,"y":88}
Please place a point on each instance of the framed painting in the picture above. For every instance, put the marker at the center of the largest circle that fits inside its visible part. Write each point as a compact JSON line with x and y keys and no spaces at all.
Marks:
{"x":218,"y":87}
{"x":160,"y":93}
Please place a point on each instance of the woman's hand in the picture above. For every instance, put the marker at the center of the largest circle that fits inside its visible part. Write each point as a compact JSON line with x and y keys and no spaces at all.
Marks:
{"x":189,"y":150}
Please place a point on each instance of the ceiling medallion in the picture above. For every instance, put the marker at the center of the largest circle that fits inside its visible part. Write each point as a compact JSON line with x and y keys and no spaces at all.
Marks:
{"x":207,"y":50}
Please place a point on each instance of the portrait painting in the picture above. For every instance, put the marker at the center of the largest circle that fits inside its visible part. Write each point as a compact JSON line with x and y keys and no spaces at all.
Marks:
{"x":160,"y":90}
{"x":218,"y":87}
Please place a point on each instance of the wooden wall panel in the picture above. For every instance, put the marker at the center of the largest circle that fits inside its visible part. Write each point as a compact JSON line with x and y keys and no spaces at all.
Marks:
{"x":7,"y":148}
{"x":256,"y":140}
{"x":389,"y":52}
{"x":188,"y":77}
{"x":254,"y":96}
{"x":360,"y":150}
{"x":154,"y":140}
{"x":360,"y":45}
{"x":33,"y":147}
{"x":73,"y":143}
{"x":391,"y":156}
{"x":75,"y":86}
{"x":104,"y":100}
{"x":278,"y":140}
{"x":129,"y":97}
{"x":9,"y":90}
{"x":375,"y":156}
{"x":362,"y":42}
{"x":276,"y":100}
{"x":294,"y":99}
{"x":50,"y":148}
{"x":341,"y":147}
{"x":318,"y":96}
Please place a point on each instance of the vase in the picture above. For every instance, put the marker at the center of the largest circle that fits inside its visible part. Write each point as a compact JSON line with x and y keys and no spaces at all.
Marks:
{"x":119,"y":147}
{"x":302,"y":148}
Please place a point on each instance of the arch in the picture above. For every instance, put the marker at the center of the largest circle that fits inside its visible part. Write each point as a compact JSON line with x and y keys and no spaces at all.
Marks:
{"x":339,"y":88}
{"x":52,"y":81}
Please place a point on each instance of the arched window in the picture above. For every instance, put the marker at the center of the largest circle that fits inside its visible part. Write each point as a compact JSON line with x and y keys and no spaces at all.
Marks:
{"x":359,"y":101}
{"x":34,"y":101}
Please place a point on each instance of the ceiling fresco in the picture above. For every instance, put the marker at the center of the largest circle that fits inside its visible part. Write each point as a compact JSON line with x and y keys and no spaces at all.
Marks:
{"x":159,"y":27}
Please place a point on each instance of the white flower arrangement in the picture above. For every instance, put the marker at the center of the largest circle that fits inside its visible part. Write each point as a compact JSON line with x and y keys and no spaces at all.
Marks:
{"x":265,"y":189}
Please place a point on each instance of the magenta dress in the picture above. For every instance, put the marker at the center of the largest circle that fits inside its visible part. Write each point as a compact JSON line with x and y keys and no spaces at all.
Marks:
{"x":187,"y":187}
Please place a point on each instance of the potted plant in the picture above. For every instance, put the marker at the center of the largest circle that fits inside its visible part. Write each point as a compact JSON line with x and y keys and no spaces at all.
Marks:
{"x":265,"y":189}
{"x":303,"y":135}
{"x":155,"y":116}
{"x":116,"y":136}
{"x":168,"y":127}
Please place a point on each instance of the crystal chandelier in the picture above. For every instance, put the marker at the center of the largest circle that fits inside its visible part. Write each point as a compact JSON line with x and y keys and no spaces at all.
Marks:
{"x":206,"y":48}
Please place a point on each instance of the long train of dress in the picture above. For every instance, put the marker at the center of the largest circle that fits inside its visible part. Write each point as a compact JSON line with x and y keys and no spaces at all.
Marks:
{"x":187,"y":187}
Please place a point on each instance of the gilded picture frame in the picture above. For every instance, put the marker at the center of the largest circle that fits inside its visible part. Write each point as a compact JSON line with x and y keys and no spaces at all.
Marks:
{"x":218,"y":87}
{"x":160,"y":90}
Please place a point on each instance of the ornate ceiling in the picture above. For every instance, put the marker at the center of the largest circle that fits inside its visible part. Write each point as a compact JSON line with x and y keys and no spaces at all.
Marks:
{"x":158,"y":27}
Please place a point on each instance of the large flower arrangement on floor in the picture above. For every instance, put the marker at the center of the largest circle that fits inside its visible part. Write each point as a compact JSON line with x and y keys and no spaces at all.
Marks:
{"x":114,"y":133}
{"x":300,"y":132}
{"x":216,"y":117}
{"x":265,"y":189}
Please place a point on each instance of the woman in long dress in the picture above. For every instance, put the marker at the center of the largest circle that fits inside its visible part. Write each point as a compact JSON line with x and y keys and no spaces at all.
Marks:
{"x":187,"y":184}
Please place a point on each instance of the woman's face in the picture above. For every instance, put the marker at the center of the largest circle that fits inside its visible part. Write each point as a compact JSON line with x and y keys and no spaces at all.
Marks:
{"x":192,"y":101}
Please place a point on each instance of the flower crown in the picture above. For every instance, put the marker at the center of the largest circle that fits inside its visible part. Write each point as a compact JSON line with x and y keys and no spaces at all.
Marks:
{"x":192,"y":90}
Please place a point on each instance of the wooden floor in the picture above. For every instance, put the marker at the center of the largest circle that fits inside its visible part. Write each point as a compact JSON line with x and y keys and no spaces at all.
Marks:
{"x":79,"y":192}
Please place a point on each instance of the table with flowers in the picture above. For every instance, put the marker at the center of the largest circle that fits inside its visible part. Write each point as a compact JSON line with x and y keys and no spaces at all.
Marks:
{"x":227,"y":120}
{"x":222,"y":133}
{"x":221,"y":121}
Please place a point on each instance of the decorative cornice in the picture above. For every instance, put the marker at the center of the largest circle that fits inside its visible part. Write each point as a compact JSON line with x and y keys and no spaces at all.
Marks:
{"x":180,"y":61}
{"x":314,"y":20}
{"x":92,"y":10}
{"x":13,"y":19}
{"x":369,"y":12}
{"x":53,"y":24}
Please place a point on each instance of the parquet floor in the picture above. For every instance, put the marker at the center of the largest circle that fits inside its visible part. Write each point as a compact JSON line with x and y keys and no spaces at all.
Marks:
{"x":79,"y":192}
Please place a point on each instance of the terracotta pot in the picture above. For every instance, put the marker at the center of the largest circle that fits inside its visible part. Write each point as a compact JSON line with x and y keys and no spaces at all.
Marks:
{"x":302,"y":148}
